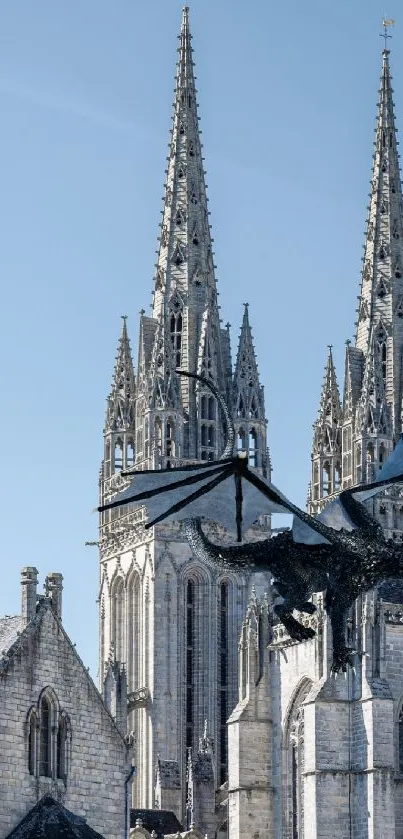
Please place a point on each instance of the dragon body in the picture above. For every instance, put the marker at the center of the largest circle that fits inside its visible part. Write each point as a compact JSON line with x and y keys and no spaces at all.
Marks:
{"x":341,"y":562}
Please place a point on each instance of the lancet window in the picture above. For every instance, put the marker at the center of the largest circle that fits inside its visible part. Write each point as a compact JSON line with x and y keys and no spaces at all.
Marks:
{"x":130,"y":452}
{"x":223,"y":680}
{"x":117,"y":617}
{"x":253,"y":448}
{"x":208,"y":425}
{"x":400,"y":741}
{"x":326,"y":478}
{"x":190,"y":660}
{"x":49,"y":737}
{"x":134,"y":632}
{"x":295,"y":756}
{"x":118,"y":455}
{"x":176,"y":325}
{"x":169,"y":439}
{"x":381,"y":339}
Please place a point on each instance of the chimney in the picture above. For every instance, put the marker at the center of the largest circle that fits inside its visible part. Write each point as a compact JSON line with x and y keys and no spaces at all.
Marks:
{"x":53,"y":590}
{"x":29,"y":584}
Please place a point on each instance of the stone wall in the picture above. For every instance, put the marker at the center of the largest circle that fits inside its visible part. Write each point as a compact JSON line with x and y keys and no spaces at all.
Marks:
{"x":98,"y":759}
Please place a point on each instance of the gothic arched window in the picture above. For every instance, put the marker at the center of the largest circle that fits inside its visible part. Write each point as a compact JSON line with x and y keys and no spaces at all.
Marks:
{"x":158,"y":435}
{"x":326,"y":478}
{"x":241,"y":440}
{"x":295,"y":756}
{"x":130,"y":452}
{"x":381,"y":339}
{"x":118,"y":455}
{"x":134,"y":632}
{"x":169,"y":439}
{"x":32,"y":728}
{"x":62,"y":747}
{"x":252,"y":455}
{"x":175,"y":325}
{"x":117,"y":615}
{"x":358,"y":468}
{"x":45,"y":737}
{"x":49,"y":734}
{"x":190,"y":660}
{"x":400,"y":742}
{"x":223,"y":710}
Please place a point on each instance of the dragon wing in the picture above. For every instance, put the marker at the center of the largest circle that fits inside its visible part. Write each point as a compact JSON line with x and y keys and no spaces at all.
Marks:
{"x":206,"y":491}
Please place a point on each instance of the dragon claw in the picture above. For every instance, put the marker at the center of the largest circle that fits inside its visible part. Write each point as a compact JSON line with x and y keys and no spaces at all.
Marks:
{"x":342,"y":659}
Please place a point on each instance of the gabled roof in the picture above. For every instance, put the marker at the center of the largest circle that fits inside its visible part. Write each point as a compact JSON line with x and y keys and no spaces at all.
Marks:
{"x":19,"y":638}
{"x":162,"y":821}
{"x":50,"y":820}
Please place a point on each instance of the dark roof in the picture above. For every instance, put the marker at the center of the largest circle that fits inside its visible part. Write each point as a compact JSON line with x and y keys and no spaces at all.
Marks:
{"x":10,"y":628}
{"x":162,"y":821}
{"x":50,"y":820}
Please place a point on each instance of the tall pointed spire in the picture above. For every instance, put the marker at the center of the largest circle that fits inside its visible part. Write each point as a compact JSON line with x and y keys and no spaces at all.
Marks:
{"x":248,"y":400}
{"x":185,"y":262}
{"x":121,"y":400}
{"x":380,"y":312}
{"x":248,"y":393}
{"x":326,"y":454}
{"x":119,"y":430}
{"x":185,"y":312}
{"x":373,"y":386}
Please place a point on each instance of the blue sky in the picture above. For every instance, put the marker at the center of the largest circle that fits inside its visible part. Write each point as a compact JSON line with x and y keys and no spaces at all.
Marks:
{"x":287,"y":98}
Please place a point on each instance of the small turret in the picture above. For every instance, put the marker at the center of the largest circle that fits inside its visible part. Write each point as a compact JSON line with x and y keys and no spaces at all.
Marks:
{"x":119,"y":432}
{"x":326,"y":453}
{"x":248,"y":401}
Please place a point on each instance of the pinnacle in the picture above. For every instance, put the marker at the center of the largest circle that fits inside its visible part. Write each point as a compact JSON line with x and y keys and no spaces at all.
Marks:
{"x":120,"y":410}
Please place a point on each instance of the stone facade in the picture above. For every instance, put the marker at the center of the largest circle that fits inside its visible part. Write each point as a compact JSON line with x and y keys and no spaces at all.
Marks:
{"x":170,"y":621}
{"x":56,"y":735}
{"x":311,"y":755}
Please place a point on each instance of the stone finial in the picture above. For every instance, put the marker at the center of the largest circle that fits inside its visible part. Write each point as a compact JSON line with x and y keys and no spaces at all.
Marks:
{"x":29,"y":585}
{"x":53,"y":590}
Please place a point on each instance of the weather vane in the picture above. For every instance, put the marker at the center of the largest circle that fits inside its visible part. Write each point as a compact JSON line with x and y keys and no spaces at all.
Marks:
{"x":386,"y":22}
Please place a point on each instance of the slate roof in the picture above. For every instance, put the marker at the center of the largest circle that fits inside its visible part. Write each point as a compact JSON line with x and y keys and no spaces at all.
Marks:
{"x":50,"y":820}
{"x":10,"y":628}
{"x":162,"y":821}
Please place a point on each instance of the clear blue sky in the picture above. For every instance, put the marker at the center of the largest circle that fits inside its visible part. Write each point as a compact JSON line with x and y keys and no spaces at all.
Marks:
{"x":287,"y":96}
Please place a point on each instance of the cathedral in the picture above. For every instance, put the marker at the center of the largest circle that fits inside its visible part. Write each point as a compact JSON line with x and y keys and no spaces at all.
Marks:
{"x":312,"y":755}
{"x":170,"y":623}
{"x":256,"y":738}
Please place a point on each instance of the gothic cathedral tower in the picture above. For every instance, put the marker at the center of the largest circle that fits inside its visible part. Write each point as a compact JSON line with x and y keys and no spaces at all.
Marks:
{"x":352,"y":440}
{"x":170,"y":622}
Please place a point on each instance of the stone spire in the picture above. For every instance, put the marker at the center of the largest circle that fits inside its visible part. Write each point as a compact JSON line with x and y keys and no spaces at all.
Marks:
{"x":248,"y":399}
{"x":326,"y":454}
{"x":121,"y":401}
{"x":371,"y":416}
{"x":187,"y":330}
{"x":119,"y":432}
{"x":185,"y":263}
{"x":379,"y":333}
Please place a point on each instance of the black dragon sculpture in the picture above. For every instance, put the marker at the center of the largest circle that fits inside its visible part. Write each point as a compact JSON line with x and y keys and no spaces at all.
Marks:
{"x":342,"y":552}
